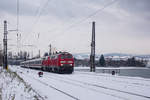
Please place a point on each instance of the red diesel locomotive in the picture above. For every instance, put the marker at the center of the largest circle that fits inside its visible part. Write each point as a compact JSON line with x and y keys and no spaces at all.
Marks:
{"x":60,"y":62}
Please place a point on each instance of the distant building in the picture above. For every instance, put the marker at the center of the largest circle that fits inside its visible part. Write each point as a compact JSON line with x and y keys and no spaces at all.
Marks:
{"x":148,"y":64}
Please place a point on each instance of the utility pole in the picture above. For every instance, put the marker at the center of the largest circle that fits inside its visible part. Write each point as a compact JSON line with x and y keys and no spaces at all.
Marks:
{"x":50,"y":49}
{"x":92,"y":56}
{"x":39,"y":53}
{"x":5,"y":64}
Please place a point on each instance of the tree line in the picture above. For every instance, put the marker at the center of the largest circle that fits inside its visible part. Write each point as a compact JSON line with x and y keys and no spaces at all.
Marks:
{"x":102,"y":62}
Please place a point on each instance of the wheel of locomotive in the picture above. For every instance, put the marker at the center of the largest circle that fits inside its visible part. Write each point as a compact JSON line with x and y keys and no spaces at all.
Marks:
{"x":50,"y":69}
{"x":55,"y":70}
{"x":60,"y":71}
{"x":70,"y":71}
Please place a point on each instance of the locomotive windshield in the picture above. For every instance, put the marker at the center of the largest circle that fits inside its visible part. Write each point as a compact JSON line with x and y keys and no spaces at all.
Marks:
{"x":64,"y":56}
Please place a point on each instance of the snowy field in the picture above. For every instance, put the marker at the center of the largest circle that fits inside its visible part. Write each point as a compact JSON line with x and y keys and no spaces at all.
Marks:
{"x":112,"y":67}
{"x":78,"y":86}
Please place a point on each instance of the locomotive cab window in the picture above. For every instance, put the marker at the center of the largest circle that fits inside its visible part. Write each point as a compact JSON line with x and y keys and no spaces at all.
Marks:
{"x":64,"y":56}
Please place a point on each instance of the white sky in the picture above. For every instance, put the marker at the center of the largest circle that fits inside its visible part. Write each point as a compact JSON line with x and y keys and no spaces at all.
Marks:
{"x":122,"y":27}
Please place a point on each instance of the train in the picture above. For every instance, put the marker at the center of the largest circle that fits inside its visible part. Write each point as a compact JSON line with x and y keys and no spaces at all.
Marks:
{"x":62,"y":62}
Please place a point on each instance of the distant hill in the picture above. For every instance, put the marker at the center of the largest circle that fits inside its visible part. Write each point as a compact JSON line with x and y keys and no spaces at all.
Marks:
{"x":117,"y":54}
{"x":122,"y":55}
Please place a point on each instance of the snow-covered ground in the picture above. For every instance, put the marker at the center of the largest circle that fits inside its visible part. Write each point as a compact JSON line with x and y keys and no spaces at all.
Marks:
{"x":13,"y":87}
{"x":82,"y":86}
{"x":112,"y":67}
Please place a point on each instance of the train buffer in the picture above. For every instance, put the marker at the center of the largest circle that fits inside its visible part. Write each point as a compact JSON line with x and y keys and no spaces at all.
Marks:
{"x":40,"y":74}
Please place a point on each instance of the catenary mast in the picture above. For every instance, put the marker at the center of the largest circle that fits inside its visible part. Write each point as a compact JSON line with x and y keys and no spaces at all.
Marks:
{"x":5,"y":63}
{"x":92,"y":56}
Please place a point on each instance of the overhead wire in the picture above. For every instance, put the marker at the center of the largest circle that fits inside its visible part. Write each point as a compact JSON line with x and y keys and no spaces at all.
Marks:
{"x":86,"y":18}
{"x":73,"y":24}
{"x":82,"y":20}
{"x":17,"y":27}
{"x":91,"y":15}
{"x":17,"y":15}
{"x":17,"y":21}
{"x":38,"y":15}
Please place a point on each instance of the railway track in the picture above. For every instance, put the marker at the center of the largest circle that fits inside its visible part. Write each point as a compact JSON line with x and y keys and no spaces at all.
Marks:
{"x":54,"y":88}
{"x":137,"y":84}
{"x":62,"y":79}
{"x":92,"y":87}
{"x":121,"y":77}
{"x":74,"y":84}
{"x":79,"y":85}
{"x":65,"y":93}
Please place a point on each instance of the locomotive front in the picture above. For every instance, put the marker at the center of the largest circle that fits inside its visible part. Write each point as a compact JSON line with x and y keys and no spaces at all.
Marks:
{"x":66,"y":62}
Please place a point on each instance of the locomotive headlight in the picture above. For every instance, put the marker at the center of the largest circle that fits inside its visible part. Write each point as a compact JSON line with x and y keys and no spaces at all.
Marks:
{"x":70,"y":61}
{"x":70,"y":64}
{"x":62,"y":64}
{"x":62,"y":61}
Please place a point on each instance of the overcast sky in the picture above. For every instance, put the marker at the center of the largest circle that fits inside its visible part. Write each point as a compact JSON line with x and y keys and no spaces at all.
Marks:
{"x":122,"y":27}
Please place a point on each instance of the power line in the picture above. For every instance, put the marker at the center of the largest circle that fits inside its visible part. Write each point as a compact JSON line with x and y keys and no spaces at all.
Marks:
{"x":73,"y":24}
{"x":89,"y":16}
{"x":82,"y":20}
{"x":17,"y":15}
{"x":17,"y":25}
{"x":38,"y":15}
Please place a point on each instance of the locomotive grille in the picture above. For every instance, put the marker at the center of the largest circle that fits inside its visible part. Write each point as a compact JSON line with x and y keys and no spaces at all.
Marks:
{"x":66,"y":64}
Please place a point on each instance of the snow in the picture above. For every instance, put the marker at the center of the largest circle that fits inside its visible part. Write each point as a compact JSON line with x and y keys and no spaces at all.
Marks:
{"x":12,"y":87}
{"x":78,"y":86}
{"x":112,"y":67}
